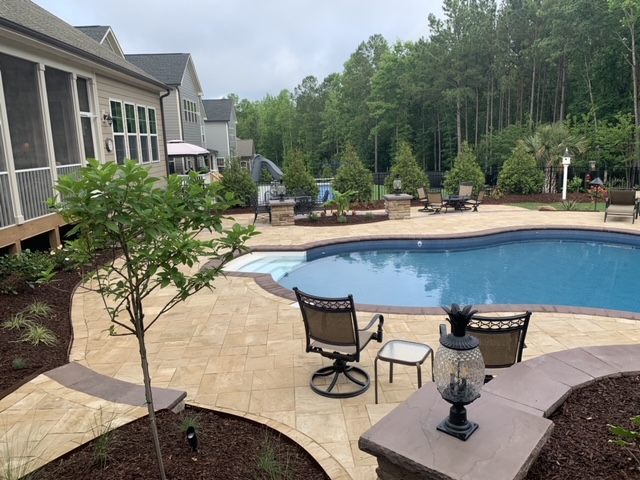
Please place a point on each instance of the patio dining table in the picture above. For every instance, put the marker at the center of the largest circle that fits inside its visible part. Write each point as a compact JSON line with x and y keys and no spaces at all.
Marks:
{"x":457,"y":202}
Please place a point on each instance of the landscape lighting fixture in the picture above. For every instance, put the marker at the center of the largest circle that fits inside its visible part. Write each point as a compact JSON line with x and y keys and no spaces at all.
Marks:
{"x":459,"y":372}
{"x":192,"y":438}
{"x":281,"y":190}
{"x":397,"y":184}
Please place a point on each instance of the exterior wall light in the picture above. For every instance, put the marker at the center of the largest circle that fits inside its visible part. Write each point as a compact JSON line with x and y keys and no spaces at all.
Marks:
{"x":397,"y":184}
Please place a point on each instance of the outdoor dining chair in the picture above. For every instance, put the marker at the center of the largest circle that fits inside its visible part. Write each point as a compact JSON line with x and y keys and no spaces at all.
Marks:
{"x":332,"y":331}
{"x":476,"y":201}
{"x":435,"y":201}
{"x":465,"y":190}
{"x":261,"y":208}
{"x":501,"y":339}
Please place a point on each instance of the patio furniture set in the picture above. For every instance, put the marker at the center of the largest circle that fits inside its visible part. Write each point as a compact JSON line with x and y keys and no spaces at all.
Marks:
{"x":332,"y":331}
{"x":623,"y":203}
{"x":303,"y":203}
{"x":434,"y":200}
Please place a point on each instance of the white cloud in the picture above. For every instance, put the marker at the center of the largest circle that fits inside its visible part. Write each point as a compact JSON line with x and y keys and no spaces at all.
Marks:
{"x":251,"y":47}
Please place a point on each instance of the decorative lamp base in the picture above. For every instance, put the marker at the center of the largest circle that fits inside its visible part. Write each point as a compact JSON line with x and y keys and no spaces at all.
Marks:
{"x":463,"y":432}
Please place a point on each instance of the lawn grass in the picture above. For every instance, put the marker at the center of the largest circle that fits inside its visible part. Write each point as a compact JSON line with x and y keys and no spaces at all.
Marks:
{"x":582,"y":207}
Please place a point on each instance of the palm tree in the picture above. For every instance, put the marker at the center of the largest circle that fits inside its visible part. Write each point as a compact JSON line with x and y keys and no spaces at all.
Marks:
{"x":548,"y":145}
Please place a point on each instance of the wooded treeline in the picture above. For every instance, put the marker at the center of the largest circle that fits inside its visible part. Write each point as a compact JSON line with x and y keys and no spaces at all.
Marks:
{"x":560,"y":73}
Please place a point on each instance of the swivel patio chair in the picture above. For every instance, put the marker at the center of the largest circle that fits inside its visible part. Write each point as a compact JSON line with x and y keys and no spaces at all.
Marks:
{"x":465,"y":190}
{"x":424,"y":200}
{"x":621,"y":203}
{"x":436,"y":203}
{"x":332,"y":331}
{"x":501,"y":339}
{"x":475,"y":201}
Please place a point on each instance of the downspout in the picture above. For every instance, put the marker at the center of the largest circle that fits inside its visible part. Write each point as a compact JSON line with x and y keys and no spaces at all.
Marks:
{"x":164,"y":131}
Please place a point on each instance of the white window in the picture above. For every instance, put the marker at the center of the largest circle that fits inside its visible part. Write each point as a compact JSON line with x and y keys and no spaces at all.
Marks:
{"x":190,"y":111}
{"x":118,"y":131}
{"x":132,"y":132}
{"x":153,"y":135}
{"x":86,"y":117}
{"x":144,"y":134}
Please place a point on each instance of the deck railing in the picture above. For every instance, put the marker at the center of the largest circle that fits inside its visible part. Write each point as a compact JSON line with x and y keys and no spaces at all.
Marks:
{"x":35,"y":188}
{"x":6,"y":204}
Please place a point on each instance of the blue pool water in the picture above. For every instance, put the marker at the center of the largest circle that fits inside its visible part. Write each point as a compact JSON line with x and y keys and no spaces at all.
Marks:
{"x":553,"y":267}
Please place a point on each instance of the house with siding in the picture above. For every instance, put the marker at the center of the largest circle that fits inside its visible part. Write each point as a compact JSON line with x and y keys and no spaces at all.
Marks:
{"x":220,"y":129}
{"x":183,"y":106}
{"x":64,"y":97}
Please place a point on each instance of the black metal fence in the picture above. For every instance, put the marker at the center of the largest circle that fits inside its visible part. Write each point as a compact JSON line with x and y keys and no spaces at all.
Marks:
{"x":619,"y":178}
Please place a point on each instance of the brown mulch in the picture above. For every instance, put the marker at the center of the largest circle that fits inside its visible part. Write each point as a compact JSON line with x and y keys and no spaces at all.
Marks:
{"x":579,"y":446}
{"x":231,"y":448}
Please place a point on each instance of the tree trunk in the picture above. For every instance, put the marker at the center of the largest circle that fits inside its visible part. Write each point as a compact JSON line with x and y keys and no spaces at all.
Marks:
{"x":533,"y":93}
{"x":563,"y":87}
{"x":149,"y":397}
{"x":459,"y":122}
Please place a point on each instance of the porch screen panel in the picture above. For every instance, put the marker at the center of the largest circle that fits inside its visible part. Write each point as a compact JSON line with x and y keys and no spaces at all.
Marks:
{"x":62,"y":116}
{"x":22,"y":99}
{"x":6,"y":203}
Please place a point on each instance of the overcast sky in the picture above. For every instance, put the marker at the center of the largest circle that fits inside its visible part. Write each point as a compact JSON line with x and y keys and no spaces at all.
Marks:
{"x":252,"y":47}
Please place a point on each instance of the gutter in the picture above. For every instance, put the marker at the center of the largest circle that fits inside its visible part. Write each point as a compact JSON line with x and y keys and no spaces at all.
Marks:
{"x":164,"y":131}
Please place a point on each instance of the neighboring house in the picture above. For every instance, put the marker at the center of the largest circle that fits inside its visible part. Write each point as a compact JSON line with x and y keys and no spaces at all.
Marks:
{"x":183,"y":106}
{"x":220,"y":129}
{"x":246,"y":152}
{"x":64,"y":98}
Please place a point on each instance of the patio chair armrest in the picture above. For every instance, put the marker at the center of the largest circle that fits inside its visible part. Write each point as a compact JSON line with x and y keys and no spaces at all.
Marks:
{"x":443,"y":330}
{"x":376,"y":318}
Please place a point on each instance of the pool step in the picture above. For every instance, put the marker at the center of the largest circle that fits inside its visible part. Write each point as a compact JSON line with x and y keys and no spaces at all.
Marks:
{"x":277,"y":267}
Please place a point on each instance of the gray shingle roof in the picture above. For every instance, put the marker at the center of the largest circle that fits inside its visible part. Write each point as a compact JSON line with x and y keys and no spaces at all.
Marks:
{"x":25,"y":17}
{"x":166,"y":67}
{"x":97,"y":32}
{"x":218,"y":110}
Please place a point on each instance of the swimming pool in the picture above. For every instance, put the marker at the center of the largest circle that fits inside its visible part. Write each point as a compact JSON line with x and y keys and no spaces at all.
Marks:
{"x":543,"y":267}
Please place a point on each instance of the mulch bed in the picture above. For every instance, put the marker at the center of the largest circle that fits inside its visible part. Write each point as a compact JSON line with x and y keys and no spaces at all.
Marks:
{"x":230,"y":449}
{"x":579,"y":446}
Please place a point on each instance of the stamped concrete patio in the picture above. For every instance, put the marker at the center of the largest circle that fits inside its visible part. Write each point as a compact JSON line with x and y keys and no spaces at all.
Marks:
{"x":240,"y":349}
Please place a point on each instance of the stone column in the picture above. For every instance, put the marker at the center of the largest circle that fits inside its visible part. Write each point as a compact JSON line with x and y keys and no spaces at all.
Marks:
{"x":398,"y":206}
{"x":282,"y":212}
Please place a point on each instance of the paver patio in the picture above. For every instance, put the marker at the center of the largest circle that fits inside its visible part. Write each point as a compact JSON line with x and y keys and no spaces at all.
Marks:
{"x":240,"y":349}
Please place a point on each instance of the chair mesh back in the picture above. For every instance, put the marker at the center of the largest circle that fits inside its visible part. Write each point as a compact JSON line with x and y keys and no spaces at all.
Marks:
{"x":498,"y":350}
{"x":501,"y":339}
{"x":435,"y":197}
{"x":334,"y":327}
{"x":622,"y":197}
{"x":465,"y":190}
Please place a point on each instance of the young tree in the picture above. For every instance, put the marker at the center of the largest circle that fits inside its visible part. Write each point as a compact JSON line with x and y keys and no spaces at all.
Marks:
{"x":406,"y":165}
{"x":521,"y":174}
{"x":238,"y":181}
{"x":153,"y":233}
{"x":296,"y":177}
{"x":354,"y":176}
{"x":465,"y":170}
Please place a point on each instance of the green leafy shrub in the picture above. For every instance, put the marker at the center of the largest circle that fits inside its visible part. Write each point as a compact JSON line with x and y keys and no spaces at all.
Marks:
{"x":520,"y":174}
{"x":342,"y":219}
{"x":297,"y":178}
{"x":626,"y":438}
{"x":465,"y":170}
{"x":19,"y":364}
{"x":406,"y":165}
{"x":327,"y":171}
{"x":342,"y":201}
{"x":570,"y":205}
{"x":313,"y":217}
{"x":369,"y":215}
{"x":237,"y":180}
{"x":575,"y":185}
{"x":17,"y":321}
{"x":38,"y":309}
{"x":37,"y":334}
{"x":265,"y":175}
{"x":354,"y":176}
{"x":29,"y":267}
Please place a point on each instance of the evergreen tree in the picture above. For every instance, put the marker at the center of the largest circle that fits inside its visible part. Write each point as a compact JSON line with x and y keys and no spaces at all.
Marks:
{"x":520,"y":174}
{"x":297,"y":178}
{"x":406,"y":166}
{"x":465,"y":170}
{"x":237,"y":180}
{"x":354,"y":176}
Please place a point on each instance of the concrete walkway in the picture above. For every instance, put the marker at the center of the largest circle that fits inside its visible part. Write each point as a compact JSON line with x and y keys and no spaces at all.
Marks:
{"x":240,"y":349}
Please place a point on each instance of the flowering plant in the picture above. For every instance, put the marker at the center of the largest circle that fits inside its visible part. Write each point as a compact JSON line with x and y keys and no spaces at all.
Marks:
{"x":597,"y":193}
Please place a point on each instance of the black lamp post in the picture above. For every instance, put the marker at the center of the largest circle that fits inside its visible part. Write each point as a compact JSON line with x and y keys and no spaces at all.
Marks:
{"x":281,"y":190}
{"x":397,"y":184}
{"x":597,"y":184}
{"x":192,"y":438}
{"x":459,"y":372}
